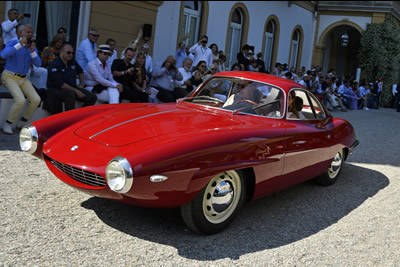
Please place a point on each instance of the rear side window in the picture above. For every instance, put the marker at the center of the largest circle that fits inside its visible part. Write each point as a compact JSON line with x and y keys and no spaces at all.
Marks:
{"x":319,"y":111}
{"x":304,"y":106}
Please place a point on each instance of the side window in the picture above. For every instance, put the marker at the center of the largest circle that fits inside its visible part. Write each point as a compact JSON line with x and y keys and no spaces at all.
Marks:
{"x":304,"y":106}
{"x":299,"y":107}
{"x":319,"y":111}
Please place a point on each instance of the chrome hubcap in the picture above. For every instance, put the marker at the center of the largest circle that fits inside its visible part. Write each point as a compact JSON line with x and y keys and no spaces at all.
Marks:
{"x":222,"y":196}
{"x":335,"y":165}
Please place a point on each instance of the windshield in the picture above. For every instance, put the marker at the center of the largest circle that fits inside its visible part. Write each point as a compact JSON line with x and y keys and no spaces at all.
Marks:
{"x":240,"y":96}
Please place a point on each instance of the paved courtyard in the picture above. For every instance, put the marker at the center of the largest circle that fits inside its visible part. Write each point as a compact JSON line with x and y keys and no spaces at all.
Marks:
{"x":355,"y":222}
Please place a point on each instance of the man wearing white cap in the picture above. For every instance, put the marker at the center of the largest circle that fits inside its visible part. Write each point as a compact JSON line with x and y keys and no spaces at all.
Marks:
{"x":99,"y":79}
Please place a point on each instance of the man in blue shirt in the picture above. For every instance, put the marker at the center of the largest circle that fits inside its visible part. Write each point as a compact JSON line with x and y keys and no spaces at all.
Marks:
{"x":86,"y":51}
{"x":61,"y":83}
{"x":344,"y":93}
{"x":19,"y":55}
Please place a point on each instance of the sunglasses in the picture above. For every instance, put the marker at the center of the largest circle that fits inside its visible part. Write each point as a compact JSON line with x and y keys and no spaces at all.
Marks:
{"x":62,"y":32}
{"x":69,"y":52}
{"x":203,"y":66}
{"x":95,"y":35}
{"x":213,"y":69}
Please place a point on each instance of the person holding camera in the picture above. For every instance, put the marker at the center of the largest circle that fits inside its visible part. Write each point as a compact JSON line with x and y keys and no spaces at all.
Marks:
{"x":202,"y":52}
{"x":19,"y":55}
{"x":164,"y":78}
{"x":10,"y":25}
{"x":125,"y":73}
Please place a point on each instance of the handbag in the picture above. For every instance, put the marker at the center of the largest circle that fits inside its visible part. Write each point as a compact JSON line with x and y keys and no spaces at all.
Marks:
{"x":97,"y":89}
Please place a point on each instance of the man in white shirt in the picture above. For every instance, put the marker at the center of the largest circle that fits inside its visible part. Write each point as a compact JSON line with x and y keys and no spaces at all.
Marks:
{"x":364,"y":94}
{"x":9,"y":26}
{"x":99,"y":79}
{"x":183,"y":87}
{"x":202,"y":52}
{"x":344,"y":92}
{"x":85,"y":53}
{"x":305,"y":81}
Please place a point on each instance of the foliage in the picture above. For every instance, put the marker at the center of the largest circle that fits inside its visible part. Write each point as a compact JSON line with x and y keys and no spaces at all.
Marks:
{"x":379,"y":56}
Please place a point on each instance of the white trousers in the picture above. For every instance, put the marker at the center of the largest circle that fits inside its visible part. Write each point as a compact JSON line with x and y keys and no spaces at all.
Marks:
{"x":110,"y":95}
{"x":38,"y":77}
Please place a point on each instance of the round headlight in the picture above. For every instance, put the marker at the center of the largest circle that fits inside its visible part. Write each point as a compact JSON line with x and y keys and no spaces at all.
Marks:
{"x":28,"y":139}
{"x":119,"y":175}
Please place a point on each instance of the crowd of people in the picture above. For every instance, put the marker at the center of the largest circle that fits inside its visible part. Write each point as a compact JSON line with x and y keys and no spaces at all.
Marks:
{"x":57,"y":79}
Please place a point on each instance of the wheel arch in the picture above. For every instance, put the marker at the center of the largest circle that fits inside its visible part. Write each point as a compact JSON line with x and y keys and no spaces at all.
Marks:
{"x":346,"y":152}
{"x":250,"y":180}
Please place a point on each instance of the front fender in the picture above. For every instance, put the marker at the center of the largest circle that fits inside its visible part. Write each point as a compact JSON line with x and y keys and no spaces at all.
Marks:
{"x":49,"y":126}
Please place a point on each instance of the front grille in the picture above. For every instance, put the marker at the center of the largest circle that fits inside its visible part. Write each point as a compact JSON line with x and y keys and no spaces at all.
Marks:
{"x":79,"y":175}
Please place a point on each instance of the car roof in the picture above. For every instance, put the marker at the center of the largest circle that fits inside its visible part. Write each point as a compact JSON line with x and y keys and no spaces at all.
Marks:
{"x":285,"y":84}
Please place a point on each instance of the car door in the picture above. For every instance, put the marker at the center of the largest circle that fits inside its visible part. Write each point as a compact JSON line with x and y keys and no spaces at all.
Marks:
{"x":308,"y":140}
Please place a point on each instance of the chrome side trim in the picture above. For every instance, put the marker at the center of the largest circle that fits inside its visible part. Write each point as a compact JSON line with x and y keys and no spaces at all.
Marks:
{"x":119,"y":124}
{"x":156,"y":178}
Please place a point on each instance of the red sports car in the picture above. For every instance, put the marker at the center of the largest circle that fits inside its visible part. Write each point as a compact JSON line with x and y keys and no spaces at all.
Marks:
{"x":238,"y":136}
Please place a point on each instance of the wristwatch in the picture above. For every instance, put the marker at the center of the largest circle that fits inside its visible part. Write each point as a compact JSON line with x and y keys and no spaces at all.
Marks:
{"x":123,"y":72}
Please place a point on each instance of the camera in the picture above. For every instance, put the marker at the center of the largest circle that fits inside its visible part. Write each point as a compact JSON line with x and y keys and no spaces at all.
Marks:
{"x":135,"y":70}
{"x":30,"y":41}
{"x":27,"y":15}
{"x":171,"y":67}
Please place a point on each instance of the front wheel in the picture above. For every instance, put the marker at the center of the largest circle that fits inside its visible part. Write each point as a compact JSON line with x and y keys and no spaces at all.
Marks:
{"x":332,"y":174}
{"x":215,"y":207}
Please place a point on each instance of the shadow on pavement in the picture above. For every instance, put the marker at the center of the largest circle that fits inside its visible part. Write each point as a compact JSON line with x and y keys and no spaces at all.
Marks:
{"x":276,"y":220}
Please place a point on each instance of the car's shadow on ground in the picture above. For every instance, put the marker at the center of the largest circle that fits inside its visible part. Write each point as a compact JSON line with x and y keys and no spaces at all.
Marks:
{"x":270,"y":222}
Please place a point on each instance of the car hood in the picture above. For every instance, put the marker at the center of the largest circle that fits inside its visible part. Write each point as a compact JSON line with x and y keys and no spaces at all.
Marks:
{"x":135,"y":123}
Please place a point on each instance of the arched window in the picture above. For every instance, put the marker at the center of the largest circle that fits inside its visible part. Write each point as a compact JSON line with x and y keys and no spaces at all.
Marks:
{"x":269,"y":43}
{"x":294,"y":48}
{"x":191,"y":21}
{"x":235,"y":36}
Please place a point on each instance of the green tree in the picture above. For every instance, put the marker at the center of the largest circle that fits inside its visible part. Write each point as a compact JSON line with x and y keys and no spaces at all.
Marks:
{"x":379,"y":55}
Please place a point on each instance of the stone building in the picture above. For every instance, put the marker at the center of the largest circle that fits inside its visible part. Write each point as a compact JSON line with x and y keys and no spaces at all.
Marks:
{"x":299,"y":33}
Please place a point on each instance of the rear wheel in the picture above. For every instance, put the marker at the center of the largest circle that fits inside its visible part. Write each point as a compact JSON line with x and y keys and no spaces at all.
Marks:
{"x":332,"y":174}
{"x":215,"y":207}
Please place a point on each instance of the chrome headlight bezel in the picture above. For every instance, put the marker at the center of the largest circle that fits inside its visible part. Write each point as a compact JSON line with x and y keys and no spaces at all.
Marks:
{"x":119,"y":175}
{"x":28,"y":139}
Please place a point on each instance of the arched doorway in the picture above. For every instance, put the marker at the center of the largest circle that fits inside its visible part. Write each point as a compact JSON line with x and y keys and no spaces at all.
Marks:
{"x":335,"y":54}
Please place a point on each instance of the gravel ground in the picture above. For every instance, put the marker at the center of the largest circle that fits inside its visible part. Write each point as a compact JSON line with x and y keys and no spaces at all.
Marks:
{"x":355,"y":222}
